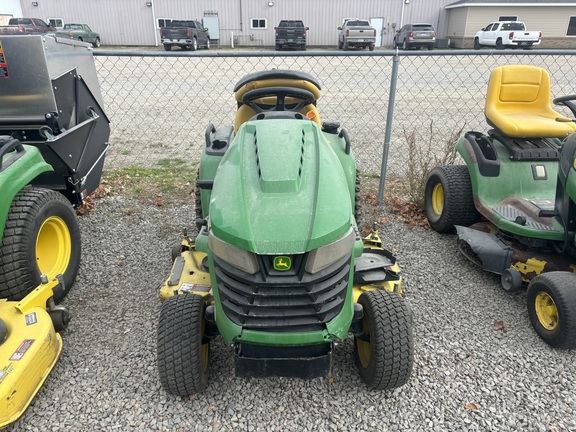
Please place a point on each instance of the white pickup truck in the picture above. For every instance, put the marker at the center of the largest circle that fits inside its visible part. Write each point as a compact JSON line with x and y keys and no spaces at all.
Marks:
{"x":507,"y":34}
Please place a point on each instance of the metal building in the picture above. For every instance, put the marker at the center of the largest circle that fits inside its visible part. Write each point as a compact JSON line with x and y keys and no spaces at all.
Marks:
{"x":556,"y":19}
{"x":252,"y":22}
{"x":246,"y":22}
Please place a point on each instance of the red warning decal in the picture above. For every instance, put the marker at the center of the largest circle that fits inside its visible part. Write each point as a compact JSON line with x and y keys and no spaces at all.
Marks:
{"x":24,"y":346}
{"x":3,"y":65}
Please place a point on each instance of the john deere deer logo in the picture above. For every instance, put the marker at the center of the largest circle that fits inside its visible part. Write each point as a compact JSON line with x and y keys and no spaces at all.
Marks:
{"x":282,"y":263}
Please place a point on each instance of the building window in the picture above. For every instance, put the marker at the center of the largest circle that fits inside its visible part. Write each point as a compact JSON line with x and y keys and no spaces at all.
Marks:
{"x":56,"y":22}
{"x":258,"y":23}
{"x":571,"y":27}
{"x":508,"y":18}
{"x":164,"y":22}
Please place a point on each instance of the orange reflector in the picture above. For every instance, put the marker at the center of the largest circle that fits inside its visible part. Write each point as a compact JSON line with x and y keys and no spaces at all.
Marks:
{"x":311,"y":114}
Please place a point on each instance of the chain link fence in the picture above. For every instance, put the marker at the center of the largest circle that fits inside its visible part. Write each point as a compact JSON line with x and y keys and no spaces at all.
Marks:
{"x":159,"y":103}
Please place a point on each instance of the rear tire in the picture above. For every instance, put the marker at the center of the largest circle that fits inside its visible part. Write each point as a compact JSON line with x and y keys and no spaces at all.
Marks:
{"x":551,"y":302}
{"x":405,"y":45}
{"x":384,"y":353}
{"x":41,"y":236}
{"x":182,"y":351}
{"x":194,"y":46}
{"x":371,"y":47}
{"x":499,"y":44}
{"x":167,"y":47}
{"x":448,"y":198}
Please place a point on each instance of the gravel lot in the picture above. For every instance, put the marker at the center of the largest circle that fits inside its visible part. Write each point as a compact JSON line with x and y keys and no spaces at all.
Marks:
{"x":467,"y":374}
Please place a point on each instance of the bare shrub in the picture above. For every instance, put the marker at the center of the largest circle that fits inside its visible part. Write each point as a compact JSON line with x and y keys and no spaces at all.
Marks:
{"x":422,"y":157}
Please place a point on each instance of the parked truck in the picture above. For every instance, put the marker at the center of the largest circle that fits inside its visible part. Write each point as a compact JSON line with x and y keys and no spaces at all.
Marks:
{"x":290,"y":34}
{"x":356,"y":33}
{"x":80,"y":32}
{"x":507,"y":34}
{"x":187,"y":34}
{"x":26,"y":25}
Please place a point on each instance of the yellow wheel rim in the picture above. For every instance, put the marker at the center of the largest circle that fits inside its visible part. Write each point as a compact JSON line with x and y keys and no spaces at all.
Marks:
{"x":53,"y":247}
{"x":363,"y":347}
{"x":438,"y":199}
{"x":546,"y":311}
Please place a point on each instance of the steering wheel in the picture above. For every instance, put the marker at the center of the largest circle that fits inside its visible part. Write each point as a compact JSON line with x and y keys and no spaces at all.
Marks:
{"x":280,"y":93}
{"x":568,"y":101}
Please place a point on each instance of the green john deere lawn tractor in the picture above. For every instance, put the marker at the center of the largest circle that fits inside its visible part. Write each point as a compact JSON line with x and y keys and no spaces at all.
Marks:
{"x":513,"y":204}
{"x":278,"y":268}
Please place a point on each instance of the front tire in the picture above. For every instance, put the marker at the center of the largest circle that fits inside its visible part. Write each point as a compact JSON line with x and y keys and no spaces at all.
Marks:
{"x":41,"y":236}
{"x":208,"y":44}
{"x":182,"y":351}
{"x":477,"y":45}
{"x":96,"y":43}
{"x":448,"y":198}
{"x":551,"y":302}
{"x":384,"y":353}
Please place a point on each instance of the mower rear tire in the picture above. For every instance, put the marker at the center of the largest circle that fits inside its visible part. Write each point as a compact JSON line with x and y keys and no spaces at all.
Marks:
{"x":384,"y":353}
{"x":551,"y":301}
{"x":183,"y":352}
{"x":41,"y":236}
{"x":448,"y":199}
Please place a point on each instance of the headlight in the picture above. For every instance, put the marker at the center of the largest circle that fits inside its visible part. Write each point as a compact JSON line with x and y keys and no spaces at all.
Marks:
{"x":239,"y":258}
{"x":327,"y":255}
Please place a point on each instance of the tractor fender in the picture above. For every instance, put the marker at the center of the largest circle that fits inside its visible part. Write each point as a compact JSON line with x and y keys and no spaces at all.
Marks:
{"x":18,"y":170}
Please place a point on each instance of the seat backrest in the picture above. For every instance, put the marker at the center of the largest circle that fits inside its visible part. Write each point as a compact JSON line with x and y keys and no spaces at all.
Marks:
{"x":275,"y":78}
{"x":518,"y":103}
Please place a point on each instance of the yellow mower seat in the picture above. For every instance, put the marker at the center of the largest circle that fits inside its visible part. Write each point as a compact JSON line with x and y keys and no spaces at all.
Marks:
{"x":275,"y":78}
{"x":518,"y":104}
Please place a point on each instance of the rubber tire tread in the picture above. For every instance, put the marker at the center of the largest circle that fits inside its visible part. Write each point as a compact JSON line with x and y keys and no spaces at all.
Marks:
{"x":198,"y":200}
{"x":19,"y":273}
{"x":357,"y":201}
{"x":561,"y":286}
{"x":459,"y":206}
{"x":391,"y":340}
{"x":179,"y":345}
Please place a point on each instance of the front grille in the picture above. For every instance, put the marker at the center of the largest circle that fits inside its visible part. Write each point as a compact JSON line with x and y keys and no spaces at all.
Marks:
{"x":282,"y":301}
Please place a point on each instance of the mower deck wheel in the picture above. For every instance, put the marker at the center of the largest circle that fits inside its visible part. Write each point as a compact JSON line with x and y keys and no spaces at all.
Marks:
{"x":384,"y":353}
{"x":551,"y":301}
{"x":182,"y":350}
{"x":448,"y":199}
{"x":42,"y":236}
{"x":511,"y":280}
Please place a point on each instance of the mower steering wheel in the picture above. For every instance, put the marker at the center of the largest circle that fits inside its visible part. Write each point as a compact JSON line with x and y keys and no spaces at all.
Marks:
{"x":280,"y":93}
{"x":568,"y":101}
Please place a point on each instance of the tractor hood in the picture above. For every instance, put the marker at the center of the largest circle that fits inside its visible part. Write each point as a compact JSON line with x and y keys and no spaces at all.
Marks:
{"x":280,"y":189}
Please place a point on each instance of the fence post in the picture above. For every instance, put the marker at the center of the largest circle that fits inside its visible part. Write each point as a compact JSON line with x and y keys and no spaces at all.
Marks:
{"x":388,"y":132}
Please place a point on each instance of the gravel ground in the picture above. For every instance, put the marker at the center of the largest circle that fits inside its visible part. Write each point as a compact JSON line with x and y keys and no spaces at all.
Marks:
{"x":467,"y":375}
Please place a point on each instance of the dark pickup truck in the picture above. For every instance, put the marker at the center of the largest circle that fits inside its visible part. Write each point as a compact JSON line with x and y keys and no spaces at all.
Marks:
{"x":187,"y":34}
{"x":291,"y":34}
{"x":26,"y":26}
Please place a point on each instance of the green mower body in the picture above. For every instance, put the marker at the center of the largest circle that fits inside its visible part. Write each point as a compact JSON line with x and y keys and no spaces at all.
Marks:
{"x":278,"y":268}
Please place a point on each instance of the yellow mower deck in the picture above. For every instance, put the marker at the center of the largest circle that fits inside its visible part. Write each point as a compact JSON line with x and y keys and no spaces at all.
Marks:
{"x":189,"y":275}
{"x":29,"y":352}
